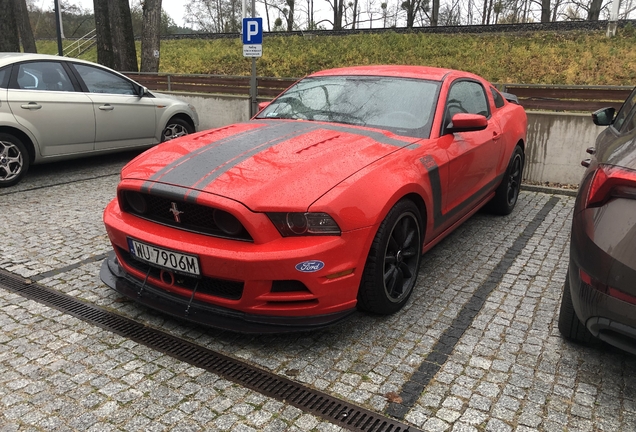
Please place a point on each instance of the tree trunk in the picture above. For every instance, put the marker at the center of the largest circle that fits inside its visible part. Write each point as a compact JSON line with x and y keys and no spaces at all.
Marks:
{"x":595,"y":10}
{"x":123,"y":39}
{"x":291,"y":4}
{"x":545,"y":11}
{"x":9,"y":41}
{"x":337,"y":14}
{"x":150,"y":36}
{"x":24,"y":26}
{"x":435,"y":13}
{"x":105,"y":55}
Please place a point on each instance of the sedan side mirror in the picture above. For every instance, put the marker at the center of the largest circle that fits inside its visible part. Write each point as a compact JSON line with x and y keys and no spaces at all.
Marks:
{"x":142,"y":91}
{"x":464,"y":122}
{"x":604,"y":116}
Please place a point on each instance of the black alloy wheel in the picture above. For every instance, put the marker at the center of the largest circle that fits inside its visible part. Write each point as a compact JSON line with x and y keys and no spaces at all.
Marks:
{"x":507,"y":193}
{"x":393,"y":263}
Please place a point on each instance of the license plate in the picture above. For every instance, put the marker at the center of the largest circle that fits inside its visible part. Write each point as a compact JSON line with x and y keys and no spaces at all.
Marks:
{"x":165,"y":258}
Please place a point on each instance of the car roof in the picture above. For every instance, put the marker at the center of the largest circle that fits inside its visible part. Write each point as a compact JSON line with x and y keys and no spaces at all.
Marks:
{"x":420,"y":72}
{"x":11,"y":57}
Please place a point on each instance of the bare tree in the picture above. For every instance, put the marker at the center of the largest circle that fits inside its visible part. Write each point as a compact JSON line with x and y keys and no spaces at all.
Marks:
{"x":150,"y":35}
{"x":216,"y":16}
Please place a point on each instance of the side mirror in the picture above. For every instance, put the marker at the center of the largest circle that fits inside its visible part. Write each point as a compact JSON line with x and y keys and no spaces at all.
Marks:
{"x":142,"y":91}
{"x":604,"y":116}
{"x":263,"y":105}
{"x":463,"y":122}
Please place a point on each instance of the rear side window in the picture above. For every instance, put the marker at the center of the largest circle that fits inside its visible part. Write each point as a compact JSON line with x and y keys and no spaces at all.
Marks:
{"x":47,"y":76}
{"x":499,"y":100}
{"x":4,"y":77}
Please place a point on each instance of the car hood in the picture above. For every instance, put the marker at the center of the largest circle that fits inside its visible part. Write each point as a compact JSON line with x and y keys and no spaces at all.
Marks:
{"x":266,"y":165}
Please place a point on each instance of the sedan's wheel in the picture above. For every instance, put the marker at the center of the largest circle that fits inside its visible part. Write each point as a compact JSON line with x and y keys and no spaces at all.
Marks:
{"x":14,"y":160}
{"x":393,"y":262}
{"x":570,"y":325}
{"x":508,"y":191}
{"x":176,"y":128}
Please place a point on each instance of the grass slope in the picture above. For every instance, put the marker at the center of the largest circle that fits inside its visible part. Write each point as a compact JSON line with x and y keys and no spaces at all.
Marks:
{"x":582,"y":58}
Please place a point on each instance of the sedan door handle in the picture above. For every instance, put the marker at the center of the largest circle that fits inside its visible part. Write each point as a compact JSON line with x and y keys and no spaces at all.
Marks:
{"x":586,"y":162}
{"x":107,"y":107}
{"x":495,"y":136}
{"x":31,"y":106}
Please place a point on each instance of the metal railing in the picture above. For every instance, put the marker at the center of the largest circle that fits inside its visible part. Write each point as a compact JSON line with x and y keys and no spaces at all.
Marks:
{"x":79,"y":46}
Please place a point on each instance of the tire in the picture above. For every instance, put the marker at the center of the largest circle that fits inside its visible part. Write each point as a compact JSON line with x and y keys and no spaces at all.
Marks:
{"x":175,"y":128}
{"x":391,"y":269}
{"x":508,"y":191}
{"x":14,"y":160}
{"x":570,"y":325}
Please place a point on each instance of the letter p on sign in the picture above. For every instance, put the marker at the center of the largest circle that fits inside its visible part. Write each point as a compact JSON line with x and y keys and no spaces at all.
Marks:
{"x":252,"y":31}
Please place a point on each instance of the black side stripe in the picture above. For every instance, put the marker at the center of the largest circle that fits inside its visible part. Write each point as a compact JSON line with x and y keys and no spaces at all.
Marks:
{"x":439,"y":218}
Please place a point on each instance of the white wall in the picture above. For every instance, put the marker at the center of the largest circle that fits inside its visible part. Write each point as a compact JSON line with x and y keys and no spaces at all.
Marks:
{"x":554,"y":150}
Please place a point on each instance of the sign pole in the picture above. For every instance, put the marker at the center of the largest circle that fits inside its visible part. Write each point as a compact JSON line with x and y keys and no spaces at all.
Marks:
{"x":254,"y":105}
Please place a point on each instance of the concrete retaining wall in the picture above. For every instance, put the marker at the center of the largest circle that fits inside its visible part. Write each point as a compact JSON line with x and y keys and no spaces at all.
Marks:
{"x":556,"y":141}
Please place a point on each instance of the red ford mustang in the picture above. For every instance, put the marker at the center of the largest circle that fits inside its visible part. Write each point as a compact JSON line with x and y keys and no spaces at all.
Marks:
{"x":321,"y":204}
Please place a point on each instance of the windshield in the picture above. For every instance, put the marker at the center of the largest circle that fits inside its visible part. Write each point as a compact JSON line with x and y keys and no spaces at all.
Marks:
{"x":402,"y":105}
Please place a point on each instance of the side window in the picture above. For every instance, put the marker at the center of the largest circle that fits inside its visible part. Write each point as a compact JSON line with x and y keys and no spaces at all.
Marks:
{"x":630,"y":124}
{"x":624,"y":111}
{"x":100,"y":81}
{"x":48,"y":76}
{"x":4,"y":77}
{"x":499,"y":100}
{"x":466,"y":97}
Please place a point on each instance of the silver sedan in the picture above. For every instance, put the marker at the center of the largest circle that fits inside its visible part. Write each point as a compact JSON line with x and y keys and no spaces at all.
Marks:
{"x":54,"y":108}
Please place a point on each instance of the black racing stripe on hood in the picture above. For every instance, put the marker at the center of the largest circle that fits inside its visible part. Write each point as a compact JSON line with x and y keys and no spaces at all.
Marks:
{"x":214,"y":174}
{"x":190,"y":169}
{"x":201,"y":167}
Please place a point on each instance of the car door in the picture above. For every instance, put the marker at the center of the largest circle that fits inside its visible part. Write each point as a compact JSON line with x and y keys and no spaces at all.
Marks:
{"x":473,"y":156}
{"x":44,"y":99}
{"x":122,"y":118}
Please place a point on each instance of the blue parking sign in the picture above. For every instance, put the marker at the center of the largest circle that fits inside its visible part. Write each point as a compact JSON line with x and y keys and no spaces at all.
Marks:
{"x":252,"y":31}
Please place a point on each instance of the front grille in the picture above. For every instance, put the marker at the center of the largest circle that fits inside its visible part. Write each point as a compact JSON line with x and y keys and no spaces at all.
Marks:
{"x":189,"y":216}
{"x":216,"y":287}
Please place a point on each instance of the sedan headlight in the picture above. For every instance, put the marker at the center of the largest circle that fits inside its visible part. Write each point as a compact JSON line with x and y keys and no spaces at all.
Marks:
{"x":304,"y":224}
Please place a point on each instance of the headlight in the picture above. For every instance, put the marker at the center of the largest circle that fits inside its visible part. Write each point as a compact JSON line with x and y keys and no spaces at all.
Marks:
{"x":304,"y":224}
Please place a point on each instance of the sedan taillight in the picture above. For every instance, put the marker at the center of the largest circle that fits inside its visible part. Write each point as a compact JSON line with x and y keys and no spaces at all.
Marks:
{"x":611,"y":182}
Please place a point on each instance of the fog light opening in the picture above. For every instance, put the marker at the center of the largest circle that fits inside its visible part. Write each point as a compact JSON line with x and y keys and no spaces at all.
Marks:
{"x":137,"y":202}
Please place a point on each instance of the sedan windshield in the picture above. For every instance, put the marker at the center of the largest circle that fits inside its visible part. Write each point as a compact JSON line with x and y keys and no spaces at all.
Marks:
{"x":402,"y":105}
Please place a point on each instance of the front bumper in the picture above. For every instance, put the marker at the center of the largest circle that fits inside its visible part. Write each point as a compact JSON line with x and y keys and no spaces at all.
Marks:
{"x":255,"y":282}
{"x":113,"y":275}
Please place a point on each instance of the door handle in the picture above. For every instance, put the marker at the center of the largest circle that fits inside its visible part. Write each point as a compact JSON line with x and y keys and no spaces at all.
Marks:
{"x":107,"y":107}
{"x":586,"y":162}
{"x":31,"y":106}
{"x":495,"y":136}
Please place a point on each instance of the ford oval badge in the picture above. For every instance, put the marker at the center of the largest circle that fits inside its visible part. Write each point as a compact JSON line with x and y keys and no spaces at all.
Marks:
{"x":310,"y":266}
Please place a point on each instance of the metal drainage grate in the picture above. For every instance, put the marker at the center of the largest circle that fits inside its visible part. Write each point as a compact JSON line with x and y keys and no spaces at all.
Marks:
{"x":332,"y":409}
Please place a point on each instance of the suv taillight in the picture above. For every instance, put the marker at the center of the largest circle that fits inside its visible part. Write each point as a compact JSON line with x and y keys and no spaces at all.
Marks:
{"x":611,"y":182}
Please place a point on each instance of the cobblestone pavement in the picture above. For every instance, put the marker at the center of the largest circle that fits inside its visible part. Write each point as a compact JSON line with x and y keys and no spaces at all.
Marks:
{"x":508,"y":370}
